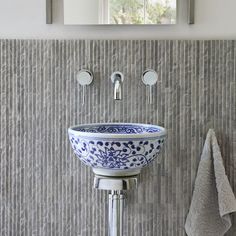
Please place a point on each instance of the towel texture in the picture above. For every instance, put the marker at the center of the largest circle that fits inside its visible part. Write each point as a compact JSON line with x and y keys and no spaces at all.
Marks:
{"x":213,"y":199}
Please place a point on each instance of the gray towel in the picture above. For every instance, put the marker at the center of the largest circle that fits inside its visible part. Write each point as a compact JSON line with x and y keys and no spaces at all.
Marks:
{"x":213,"y":199}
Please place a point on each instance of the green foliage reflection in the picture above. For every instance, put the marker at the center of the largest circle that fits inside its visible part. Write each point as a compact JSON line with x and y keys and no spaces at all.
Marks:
{"x":142,"y":11}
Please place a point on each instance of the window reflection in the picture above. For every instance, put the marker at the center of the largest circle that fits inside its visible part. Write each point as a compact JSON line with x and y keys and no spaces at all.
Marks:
{"x":139,"y":12}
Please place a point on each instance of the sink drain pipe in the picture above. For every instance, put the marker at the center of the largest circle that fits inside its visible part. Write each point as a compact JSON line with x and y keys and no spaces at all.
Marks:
{"x":116,"y":186}
{"x":116,"y":205}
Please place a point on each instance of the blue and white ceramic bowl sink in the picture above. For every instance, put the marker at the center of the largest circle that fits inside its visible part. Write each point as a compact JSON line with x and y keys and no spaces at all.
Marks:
{"x":117,"y":149}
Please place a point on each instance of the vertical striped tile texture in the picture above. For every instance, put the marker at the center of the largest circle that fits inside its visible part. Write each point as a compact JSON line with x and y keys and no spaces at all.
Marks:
{"x":44,"y":189}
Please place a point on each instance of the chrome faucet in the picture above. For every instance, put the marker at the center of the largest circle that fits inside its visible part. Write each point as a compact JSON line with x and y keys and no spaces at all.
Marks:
{"x":117,"y":79}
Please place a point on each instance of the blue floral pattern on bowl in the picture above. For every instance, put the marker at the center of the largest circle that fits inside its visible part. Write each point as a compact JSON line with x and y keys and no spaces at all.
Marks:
{"x":118,"y":129}
{"x":117,"y":151}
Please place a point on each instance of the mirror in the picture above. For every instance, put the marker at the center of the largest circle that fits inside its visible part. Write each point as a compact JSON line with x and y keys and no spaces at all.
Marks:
{"x":119,"y":12}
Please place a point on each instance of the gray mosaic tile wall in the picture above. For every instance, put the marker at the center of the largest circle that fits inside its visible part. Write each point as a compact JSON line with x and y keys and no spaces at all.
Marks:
{"x":44,"y":189}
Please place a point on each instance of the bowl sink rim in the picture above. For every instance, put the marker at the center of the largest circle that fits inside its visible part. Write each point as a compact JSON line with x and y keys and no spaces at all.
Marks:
{"x":161,"y":133}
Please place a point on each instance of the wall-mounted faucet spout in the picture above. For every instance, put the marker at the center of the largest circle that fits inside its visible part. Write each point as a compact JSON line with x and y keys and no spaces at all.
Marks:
{"x":117,"y":78}
{"x":117,"y":88}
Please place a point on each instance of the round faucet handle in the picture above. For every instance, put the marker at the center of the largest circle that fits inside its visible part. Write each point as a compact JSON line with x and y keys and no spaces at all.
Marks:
{"x":84,"y":78}
{"x":149,"y":78}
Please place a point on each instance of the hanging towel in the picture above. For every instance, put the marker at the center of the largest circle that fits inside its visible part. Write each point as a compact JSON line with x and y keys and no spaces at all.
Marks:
{"x":213,"y":199}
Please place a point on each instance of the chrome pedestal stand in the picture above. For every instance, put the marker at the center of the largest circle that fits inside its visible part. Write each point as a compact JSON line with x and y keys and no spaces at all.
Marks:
{"x":116,"y":186}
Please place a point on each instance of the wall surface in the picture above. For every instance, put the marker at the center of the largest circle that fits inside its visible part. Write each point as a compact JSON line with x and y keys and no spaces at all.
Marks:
{"x":86,"y":13}
{"x":44,"y":188}
{"x":215,"y":19}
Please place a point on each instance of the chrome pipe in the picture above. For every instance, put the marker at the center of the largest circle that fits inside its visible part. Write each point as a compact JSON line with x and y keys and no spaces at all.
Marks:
{"x":116,"y":185}
{"x":116,"y":205}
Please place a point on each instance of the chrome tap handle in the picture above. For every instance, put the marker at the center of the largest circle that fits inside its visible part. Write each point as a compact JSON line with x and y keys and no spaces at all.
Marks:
{"x":149,"y":78}
{"x":150,"y":94}
{"x":83,"y":94}
{"x":84,"y":77}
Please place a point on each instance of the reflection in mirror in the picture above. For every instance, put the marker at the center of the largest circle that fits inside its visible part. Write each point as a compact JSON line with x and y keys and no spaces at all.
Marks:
{"x":120,"y":12}
{"x":141,"y":12}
